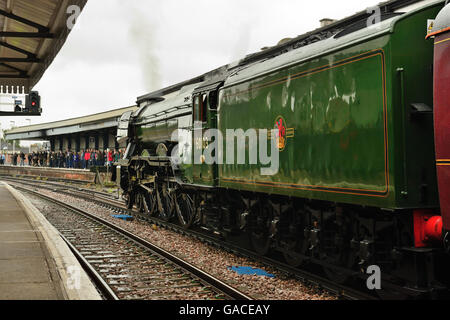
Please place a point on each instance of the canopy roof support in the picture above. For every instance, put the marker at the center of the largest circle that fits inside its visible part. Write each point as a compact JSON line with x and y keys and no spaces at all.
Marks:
{"x":40,"y":28}
{"x":43,"y":35}
{"x":10,"y":46}
{"x":32,"y":33}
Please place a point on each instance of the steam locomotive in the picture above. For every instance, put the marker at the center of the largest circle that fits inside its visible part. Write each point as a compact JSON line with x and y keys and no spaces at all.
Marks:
{"x":362,"y":149}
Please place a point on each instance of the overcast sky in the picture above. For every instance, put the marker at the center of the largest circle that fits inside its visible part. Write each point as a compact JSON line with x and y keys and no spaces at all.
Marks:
{"x":124,"y":49}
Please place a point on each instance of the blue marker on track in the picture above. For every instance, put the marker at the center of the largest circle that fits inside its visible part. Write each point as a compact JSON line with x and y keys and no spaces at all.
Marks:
{"x":251,"y":271}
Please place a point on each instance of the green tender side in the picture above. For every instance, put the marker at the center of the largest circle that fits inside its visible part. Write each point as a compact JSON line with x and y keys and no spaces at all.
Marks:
{"x":347,"y":123}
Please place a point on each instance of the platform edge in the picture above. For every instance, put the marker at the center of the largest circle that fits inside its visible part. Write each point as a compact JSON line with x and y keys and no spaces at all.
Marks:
{"x":59,"y":252}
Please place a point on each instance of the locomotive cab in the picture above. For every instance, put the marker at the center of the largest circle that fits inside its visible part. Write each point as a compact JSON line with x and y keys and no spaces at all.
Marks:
{"x":204,"y":111}
{"x":123,"y":130}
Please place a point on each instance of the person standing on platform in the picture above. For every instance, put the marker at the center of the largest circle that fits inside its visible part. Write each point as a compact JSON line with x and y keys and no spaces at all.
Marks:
{"x":77,"y":160}
{"x":110,"y":157}
{"x":67,"y":159}
{"x":105,"y":157}
{"x":22,"y":159}
{"x":87,"y":158}
{"x":101,"y":158}
{"x":74,"y":160}
{"x":83,"y":163}
{"x":91,"y":158}
{"x":58,"y":159}
{"x":63,"y":162}
{"x":70,"y":159}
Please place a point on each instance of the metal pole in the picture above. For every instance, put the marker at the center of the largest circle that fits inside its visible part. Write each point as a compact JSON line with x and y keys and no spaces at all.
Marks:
{"x":13,"y":123}
{"x":29,"y":124}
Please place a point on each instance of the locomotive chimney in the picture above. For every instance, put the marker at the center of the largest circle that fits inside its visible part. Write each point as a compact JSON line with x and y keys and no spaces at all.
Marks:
{"x":326,"y":21}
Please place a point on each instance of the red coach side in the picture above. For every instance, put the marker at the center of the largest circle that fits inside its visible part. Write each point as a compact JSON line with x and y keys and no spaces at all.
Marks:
{"x":441,"y":32}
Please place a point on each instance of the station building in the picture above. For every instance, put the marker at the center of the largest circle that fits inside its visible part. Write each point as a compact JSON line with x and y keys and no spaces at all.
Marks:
{"x":97,"y":131}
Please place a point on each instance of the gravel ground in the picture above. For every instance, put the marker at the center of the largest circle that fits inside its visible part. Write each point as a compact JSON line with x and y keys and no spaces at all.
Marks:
{"x":212,"y":260}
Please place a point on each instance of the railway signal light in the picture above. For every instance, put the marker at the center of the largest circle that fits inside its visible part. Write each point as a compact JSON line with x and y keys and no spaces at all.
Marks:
{"x":33,"y":103}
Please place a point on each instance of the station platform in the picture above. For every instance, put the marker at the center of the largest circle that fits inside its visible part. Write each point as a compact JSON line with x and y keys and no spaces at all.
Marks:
{"x":35,"y":263}
{"x":56,"y":173}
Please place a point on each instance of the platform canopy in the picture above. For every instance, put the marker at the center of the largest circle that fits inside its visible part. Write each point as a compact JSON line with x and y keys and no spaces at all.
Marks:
{"x":32,"y":32}
{"x":81,"y":125}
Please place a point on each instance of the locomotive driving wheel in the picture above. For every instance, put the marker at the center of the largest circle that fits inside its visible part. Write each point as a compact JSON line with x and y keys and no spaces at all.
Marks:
{"x":184,"y":205}
{"x":296,"y":249}
{"x":296,"y":245}
{"x":129,"y":199}
{"x":165,"y":202}
{"x":140,"y":201}
{"x":340,"y":258}
{"x":149,"y":202}
{"x":336,"y":250}
{"x":260,"y":220}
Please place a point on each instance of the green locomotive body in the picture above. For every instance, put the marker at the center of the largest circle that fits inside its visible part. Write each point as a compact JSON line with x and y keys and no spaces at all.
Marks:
{"x":350,"y":109}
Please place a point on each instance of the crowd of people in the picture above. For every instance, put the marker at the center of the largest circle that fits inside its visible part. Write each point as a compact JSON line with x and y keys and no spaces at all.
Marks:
{"x":85,"y":159}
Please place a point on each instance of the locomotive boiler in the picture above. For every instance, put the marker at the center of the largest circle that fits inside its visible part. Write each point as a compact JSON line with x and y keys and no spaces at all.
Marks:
{"x":357,"y":126}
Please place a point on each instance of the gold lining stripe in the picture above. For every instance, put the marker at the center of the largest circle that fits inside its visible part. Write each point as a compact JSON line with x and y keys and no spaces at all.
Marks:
{"x":441,"y":41}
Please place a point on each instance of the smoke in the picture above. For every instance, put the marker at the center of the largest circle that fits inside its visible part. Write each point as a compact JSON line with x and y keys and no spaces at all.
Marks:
{"x":242,"y":45}
{"x":143,"y":36}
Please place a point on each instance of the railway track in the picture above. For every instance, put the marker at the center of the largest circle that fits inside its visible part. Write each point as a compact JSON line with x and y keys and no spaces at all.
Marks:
{"x":58,"y":183}
{"x":308,"y":277}
{"x":126,"y":267}
{"x":47,"y":179}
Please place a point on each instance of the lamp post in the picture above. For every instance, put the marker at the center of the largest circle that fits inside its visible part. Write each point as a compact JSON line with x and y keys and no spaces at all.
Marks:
{"x":13,"y":123}
{"x":29,"y":124}
{"x":1,"y":139}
